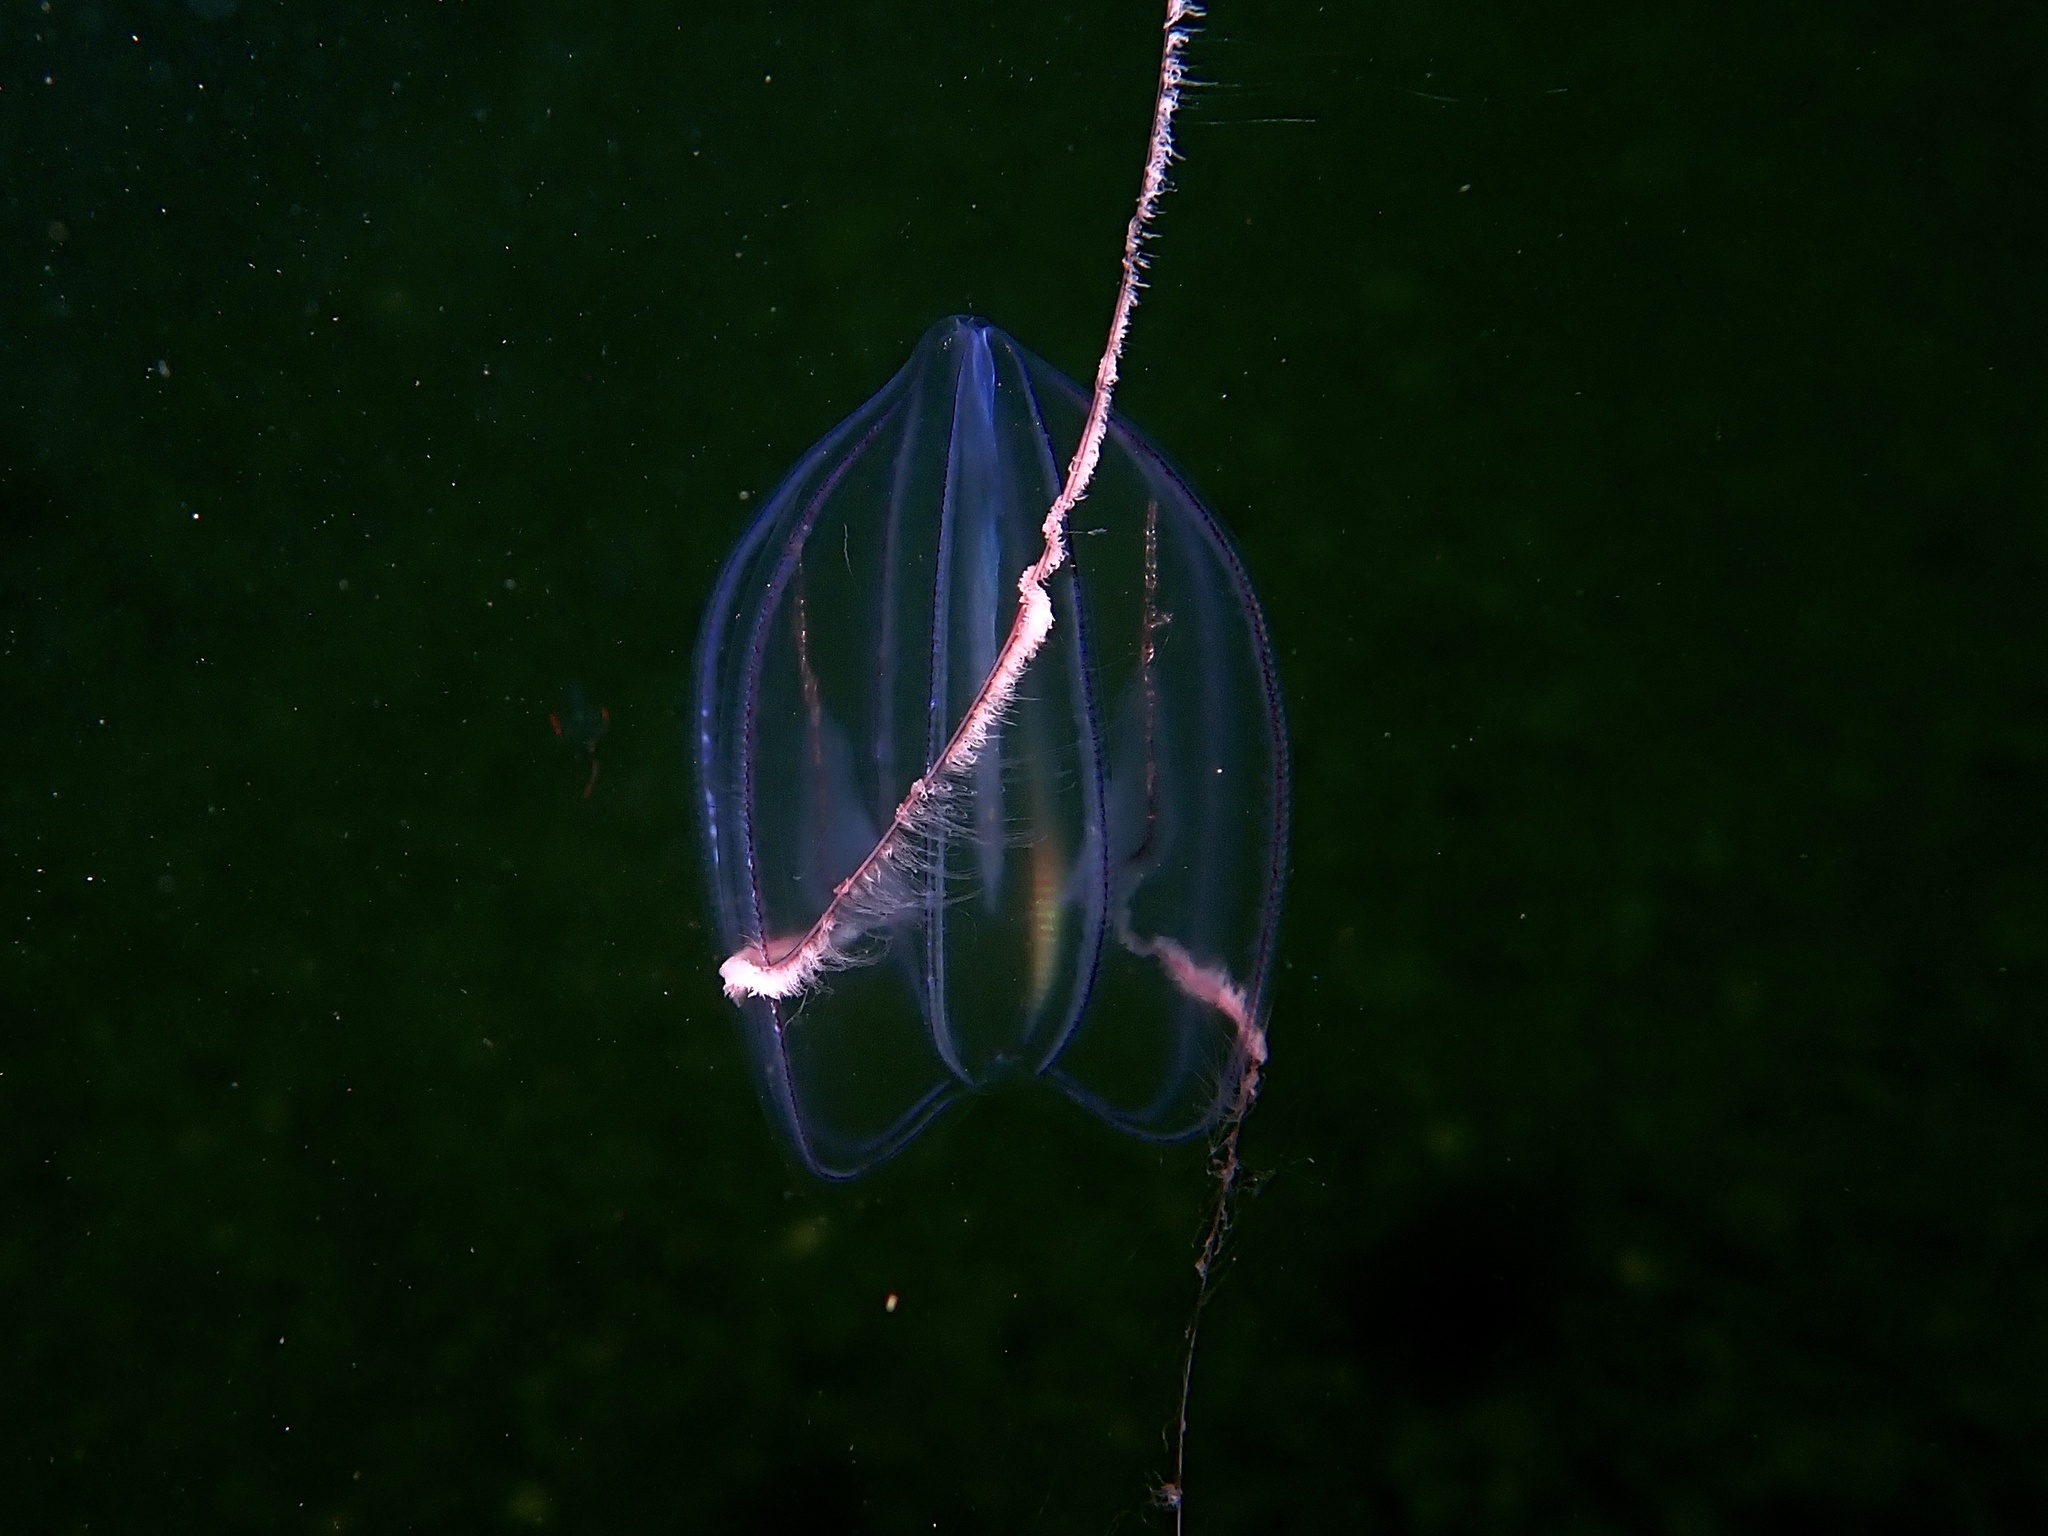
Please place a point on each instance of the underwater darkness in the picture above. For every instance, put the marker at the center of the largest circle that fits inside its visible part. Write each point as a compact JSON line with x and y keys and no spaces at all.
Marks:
{"x":1632,"y":420}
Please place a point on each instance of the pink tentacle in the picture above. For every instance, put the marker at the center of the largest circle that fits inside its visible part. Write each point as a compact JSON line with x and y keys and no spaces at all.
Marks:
{"x":753,"y":971}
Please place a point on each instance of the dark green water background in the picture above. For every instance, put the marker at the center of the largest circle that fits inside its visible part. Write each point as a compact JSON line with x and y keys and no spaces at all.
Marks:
{"x":1632,"y":418}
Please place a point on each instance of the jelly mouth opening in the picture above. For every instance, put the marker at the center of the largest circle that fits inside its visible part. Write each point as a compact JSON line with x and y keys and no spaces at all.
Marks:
{"x":999,"y":1069}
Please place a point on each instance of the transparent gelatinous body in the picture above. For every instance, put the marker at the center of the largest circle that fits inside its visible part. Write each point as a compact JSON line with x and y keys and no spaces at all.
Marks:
{"x":1097,"y":904}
